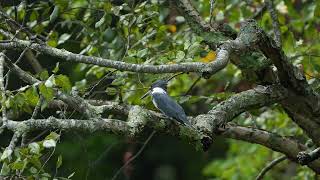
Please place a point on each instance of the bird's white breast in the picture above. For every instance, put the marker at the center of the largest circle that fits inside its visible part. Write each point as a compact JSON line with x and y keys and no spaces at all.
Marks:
{"x":158,"y":90}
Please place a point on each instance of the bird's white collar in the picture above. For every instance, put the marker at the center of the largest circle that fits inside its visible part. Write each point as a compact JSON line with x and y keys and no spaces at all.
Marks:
{"x":158,"y":90}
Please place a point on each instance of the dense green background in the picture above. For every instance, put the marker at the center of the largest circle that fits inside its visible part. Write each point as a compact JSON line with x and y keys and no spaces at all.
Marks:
{"x":154,"y":32}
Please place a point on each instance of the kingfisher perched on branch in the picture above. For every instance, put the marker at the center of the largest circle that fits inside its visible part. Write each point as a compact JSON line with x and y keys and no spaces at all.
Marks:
{"x":165,"y":103}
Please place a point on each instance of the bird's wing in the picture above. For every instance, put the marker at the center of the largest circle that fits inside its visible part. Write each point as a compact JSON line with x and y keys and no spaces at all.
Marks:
{"x":170,"y":108}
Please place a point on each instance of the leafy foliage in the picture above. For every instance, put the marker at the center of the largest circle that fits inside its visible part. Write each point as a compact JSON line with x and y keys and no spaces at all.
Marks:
{"x":151,"y":32}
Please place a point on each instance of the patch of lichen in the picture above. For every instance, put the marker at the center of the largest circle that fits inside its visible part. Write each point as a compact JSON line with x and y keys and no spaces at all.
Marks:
{"x":191,"y":135}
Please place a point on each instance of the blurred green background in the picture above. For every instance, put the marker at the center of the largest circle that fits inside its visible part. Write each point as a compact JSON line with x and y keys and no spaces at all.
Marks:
{"x":153,"y":32}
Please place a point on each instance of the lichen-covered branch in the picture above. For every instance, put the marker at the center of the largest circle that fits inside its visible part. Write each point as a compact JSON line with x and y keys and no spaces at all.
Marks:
{"x":304,"y":105}
{"x":141,"y":68}
{"x":307,"y":157}
{"x":287,"y":146}
{"x":236,"y":104}
{"x":289,"y":75}
{"x":223,"y":55}
{"x":213,"y":33}
{"x":139,"y":121}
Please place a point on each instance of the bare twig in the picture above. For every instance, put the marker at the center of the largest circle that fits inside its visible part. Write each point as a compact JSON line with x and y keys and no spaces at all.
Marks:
{"x":211,"y":10}
{"x":275,"y":21}
{"x":7,"y":76}
{"x":304,"y":54}
{"x":34,"y":62}
{"x":2,"y":89}
{"x":149,"y":35}
{"x":270,"y":166}
{"x":134,"y":157}
{"x":193,"y":85}
{"x":178,"y":74}
{"x":273,"y":141}
{"x":37,"y":108}
{"x":34,"y":115}
{"x":23,"y":139}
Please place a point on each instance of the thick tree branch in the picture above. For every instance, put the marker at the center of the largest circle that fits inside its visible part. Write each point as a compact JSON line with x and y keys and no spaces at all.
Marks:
{"x":236,"y":104}
{"x":140,"y":120}
{"x":289,"y":75}
{"x":307,"y":157}
{"x":193,"y":17}
{"x":224,"y":52}
{"x":141,"y":68}
{"x":304,"y":105}
{"x":287,"y":146}
{"x":212,"y":33}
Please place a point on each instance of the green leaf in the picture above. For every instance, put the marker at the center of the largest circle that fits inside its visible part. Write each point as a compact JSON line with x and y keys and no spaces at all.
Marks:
{"x":59,"y":161}
{"x":18,"y":165}
{"x":63,"y":82}
{"x":53,"y":39}
{"x":44,"y":75}
{"x":46,"y":175}
{"x":180,"y":55}
{"x":35,"y":160}
{"x":116,"y":10}
{"x":49,"y":143}
{"x":56,"y":68}
{"x":5,"y":170}
{"x":100,"y":22}
{"x":33,"y":170}
{"x":52,"y":43}
{"x":109,"y":35}
{"x":53,"y":135}
{"x":71,"y":175}
{"x":54,"y":14}
{"x":44,"y":105}
{"x":184,"y":99}
{"x":34,"y":148}
{"x":63,"y":38}
{"x":47,"y":93}
{"x":31,"y":96}
{"x":142,"y":53}
{"x":112,"y":91}
{"x":6,"y":154}
{"x":50,"y":82}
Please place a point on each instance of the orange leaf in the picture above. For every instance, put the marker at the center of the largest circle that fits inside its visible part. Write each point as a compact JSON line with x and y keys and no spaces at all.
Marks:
{"x":211,"y":56}
{"x":172,"y":28}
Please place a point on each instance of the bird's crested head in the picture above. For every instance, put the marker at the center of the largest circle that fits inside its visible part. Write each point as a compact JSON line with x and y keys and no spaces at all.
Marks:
{"x":160,"y":84}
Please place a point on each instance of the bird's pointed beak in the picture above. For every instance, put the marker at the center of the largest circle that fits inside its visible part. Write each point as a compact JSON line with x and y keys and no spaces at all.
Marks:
{"x":145,"y":95}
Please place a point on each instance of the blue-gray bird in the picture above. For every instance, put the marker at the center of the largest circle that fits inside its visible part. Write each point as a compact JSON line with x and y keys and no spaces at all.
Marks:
{"x":165,"y":103}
